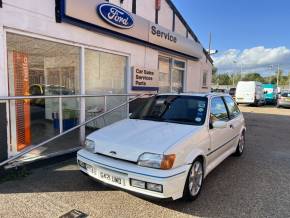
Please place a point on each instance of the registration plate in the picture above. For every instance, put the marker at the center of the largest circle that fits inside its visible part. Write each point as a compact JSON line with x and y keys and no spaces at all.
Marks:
{"x":105,"y":176}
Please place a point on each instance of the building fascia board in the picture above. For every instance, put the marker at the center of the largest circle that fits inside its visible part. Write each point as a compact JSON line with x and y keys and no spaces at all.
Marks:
{"x":142,"y":33}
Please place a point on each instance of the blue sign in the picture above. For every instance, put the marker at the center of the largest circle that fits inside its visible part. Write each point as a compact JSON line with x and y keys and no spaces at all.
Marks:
{"x":115,"y":16}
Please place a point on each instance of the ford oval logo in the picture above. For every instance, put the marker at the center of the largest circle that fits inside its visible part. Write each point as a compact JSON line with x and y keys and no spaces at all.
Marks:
{"x":115,"y":16}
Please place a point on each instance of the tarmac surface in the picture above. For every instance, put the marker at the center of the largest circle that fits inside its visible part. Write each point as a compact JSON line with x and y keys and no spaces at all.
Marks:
{"x":254,"y":185}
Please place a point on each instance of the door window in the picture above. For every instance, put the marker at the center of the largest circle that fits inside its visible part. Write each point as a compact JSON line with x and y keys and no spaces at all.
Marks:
{"x":232,"y":107}
{"x":218,"y":111}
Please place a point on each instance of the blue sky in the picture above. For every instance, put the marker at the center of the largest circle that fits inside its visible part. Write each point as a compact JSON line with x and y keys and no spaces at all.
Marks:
{"x":253,"y":33}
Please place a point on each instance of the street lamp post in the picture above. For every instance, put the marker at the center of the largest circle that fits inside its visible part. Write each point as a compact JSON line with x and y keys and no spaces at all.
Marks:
{"x":241,"y":69}
{"x":278,"y":72}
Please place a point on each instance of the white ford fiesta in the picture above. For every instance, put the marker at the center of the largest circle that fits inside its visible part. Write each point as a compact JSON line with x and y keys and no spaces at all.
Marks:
{"x":167,"y":147}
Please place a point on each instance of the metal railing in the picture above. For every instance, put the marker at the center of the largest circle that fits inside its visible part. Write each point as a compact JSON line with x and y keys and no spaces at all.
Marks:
{"x":60,"y":110}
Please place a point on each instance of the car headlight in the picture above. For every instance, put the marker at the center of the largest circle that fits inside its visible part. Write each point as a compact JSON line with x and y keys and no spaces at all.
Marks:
{"x":158,"y":161}
{"x":90,"y":145}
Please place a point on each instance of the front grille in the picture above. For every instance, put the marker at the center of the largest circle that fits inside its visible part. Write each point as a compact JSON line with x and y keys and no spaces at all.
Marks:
{"x":116,"y":158}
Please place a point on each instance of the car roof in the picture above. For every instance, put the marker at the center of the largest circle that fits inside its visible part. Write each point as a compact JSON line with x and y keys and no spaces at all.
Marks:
{"x":197,"y":94}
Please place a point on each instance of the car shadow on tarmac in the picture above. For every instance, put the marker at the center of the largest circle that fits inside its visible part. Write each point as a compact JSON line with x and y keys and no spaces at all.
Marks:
{"x":53,"y":179}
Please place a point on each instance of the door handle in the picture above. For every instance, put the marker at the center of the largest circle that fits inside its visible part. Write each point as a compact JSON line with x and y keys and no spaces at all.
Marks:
{"x":231,"y":126}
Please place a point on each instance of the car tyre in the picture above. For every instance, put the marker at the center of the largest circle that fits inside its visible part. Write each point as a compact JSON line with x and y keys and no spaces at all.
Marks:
{"x":241,"y":145}
{"x":194,"y":181}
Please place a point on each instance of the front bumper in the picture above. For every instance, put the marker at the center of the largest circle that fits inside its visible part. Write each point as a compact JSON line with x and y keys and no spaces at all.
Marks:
{"x":284,"y":103}
{"x":172,"y":181}
{"x":245,"y":100}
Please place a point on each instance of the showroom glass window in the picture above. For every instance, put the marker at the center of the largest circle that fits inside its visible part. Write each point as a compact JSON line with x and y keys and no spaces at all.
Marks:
{"x":171,"y":74}
{"x":41,"y":67}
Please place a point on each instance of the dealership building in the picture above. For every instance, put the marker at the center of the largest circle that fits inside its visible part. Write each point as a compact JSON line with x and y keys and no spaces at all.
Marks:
{"x":88,"y":47}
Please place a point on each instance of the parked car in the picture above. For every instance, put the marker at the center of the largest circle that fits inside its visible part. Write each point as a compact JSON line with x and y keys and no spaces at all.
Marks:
{"x":284,"y":99}
{"x":250,"y":92}
{"x":232,"y":92}
{"x":167,"y":148}
{"x":270,"y":93}
{"x":41,"y":90}
{"x":219,"y":91}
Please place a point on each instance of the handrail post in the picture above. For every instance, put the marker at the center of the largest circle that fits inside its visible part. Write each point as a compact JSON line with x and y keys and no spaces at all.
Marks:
{"x":82,"y":106}
{"x":60,"y":115}
{"x":105,"y":104}
{"x":105,"y":109}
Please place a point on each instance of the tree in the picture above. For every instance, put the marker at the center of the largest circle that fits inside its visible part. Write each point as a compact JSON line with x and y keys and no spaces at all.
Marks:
{"x":253,"y":77}
{"x":214,"y":70}
{"x":283,"y":80}
{"x":224,"y":79}
{"x":214,"y":75}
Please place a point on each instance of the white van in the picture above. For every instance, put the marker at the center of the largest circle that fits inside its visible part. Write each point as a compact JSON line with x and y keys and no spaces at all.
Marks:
{"x":250,"y":92}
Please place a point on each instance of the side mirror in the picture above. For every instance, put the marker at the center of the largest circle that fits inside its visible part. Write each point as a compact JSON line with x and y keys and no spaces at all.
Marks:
{"x":219,"y":124}
{"x":265,"y":92}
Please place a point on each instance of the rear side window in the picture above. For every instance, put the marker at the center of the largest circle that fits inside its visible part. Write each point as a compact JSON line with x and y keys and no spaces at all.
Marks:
{"x":232,"y":107}
{"x":218,"y":110}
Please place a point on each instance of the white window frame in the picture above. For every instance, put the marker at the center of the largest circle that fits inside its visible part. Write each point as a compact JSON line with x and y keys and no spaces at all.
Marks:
{"x":171,"y":67}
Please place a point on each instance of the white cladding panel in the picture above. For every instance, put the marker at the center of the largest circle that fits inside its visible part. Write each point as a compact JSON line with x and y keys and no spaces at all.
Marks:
{"x":42,"y":7}
{"x":165,"y":16}
{"x":3,"y":73}
{"x":127,"y":5}
{"x":116,"y":2}
{"x":179,"y":27}
{"x":193,"y":80}
{"x":206,"y":67}
{"x":190,"y":37}
{"x":146,"y":9}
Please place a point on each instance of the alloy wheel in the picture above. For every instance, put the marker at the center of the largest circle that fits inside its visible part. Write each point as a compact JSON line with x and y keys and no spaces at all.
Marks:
{"x":195,"y":178}
{"x":242,"y":143}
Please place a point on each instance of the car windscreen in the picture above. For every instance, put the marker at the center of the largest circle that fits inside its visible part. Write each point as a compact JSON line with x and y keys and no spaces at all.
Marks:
{"x":285,"y":94}
{"x":174,"y":109}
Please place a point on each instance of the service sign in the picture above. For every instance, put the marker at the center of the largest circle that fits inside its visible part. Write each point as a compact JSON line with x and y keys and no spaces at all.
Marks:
{"x":145,"y":79}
